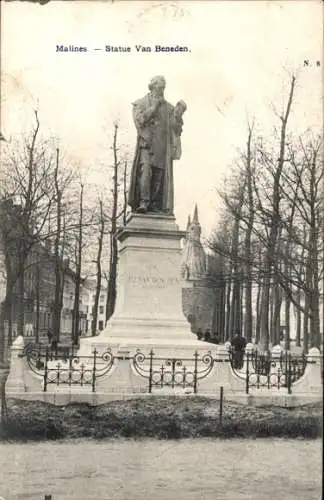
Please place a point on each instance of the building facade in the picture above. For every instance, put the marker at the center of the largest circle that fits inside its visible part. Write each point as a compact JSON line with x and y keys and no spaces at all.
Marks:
{"x":88,"y":298}
{"x":38,"y":284}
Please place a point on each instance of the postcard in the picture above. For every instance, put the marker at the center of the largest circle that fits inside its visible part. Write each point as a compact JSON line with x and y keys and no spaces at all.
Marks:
{"x":161,"y":249}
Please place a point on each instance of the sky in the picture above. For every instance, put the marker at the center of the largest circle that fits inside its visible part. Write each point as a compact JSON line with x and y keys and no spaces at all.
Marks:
{"x":240,"y":58}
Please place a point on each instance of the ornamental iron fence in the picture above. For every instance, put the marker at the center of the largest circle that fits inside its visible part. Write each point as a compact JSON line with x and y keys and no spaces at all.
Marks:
{"x":173,"y":372}
{"x":265,"y":370}
{"x":64,"y":367}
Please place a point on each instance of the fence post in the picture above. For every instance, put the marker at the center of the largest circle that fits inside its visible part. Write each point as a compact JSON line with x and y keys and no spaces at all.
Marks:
{"x":173,"y":372}
{"x":221,"y":405}
{"x":70,"y":370}
{"x":82,"y":374}
{"x":94,"y":371}
{"x":196,"y":372}
{"x":45,"y":371}
{"x":151,"y":371}
{"x":289,"y":372}
{"x":58,"y":373}
{"x":247,"y":372}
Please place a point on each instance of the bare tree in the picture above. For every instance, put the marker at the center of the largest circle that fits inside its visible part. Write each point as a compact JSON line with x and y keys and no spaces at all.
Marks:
{"x":63,"y":226}
{"x":101,"y":224}
{"x":27,"y":199}
{"x":277,"y":164}
{"x":79,"y":246}
{"x":117,"y":213}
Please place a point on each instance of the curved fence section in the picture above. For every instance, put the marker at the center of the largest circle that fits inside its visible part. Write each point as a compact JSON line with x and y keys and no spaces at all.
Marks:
{"x":274,"y":370}
{"x":268,"y":370}
{"x":172,"y":372}
{"x":64,"y":367}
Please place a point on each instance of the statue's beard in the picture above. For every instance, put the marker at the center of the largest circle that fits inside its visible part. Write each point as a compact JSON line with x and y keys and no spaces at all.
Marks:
{"x":157,"y":93}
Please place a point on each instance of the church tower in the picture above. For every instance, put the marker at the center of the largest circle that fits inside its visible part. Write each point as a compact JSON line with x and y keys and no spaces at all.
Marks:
{"x":203,"y":297}
{"x":193,"y":256}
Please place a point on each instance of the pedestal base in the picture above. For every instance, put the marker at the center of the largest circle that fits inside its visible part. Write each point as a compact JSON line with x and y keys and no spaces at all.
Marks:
{"x":148,"y":316}
{"x":149,"y":295}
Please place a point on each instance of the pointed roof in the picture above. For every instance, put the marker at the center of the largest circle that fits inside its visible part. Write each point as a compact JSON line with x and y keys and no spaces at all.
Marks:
{"x":195,"y":219}
{"x":193,"y":256}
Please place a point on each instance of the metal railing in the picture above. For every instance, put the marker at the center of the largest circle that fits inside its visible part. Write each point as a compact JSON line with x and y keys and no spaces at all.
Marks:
{"x":173,"y":372}
{"x":265,"y":370}
{"x":64,"y":367}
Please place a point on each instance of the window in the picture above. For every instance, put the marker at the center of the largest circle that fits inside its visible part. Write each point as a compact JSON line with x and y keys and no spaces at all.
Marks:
{"x":101,"y":309}
{"x":101,"y":325}
{"x":102,"y":298}
{"x":87,"y":309}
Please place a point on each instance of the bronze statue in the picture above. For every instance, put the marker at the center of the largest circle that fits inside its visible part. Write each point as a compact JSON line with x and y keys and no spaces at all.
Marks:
{"x":159,"y":127}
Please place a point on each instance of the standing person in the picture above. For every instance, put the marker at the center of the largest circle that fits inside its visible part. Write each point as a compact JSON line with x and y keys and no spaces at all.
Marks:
{"x":199,"y":334}
{"x":238,"y":344}
{"x":216,"y":338}
{"x":49,"y":336}
{"x":157,"y":124}
{"x":207,"y":336}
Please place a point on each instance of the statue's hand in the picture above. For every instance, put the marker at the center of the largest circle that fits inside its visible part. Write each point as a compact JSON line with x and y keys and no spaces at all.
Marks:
{"x":156,"y":103}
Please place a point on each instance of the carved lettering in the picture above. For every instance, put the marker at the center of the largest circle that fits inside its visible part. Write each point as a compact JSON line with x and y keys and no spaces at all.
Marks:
{"x":152,"y":281}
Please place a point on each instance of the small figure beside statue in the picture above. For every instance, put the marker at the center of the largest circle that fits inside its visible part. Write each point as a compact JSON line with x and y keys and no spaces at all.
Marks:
{"x":208,"y":337}
{"x":238,"y":344}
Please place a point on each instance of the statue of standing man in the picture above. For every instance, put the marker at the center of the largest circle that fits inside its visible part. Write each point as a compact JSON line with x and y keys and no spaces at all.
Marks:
{"x":159,"y":127}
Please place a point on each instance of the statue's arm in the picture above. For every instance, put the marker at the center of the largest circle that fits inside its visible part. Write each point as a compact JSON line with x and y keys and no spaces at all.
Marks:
{"x":142,"y":115}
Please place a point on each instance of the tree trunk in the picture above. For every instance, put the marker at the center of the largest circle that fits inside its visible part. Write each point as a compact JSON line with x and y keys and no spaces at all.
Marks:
{"x":76,"y":308}
{"x":37,"y":302}
{"x":270,"y":255}
{"x":228,"y":309}
{"x":258,"y":311}
{"x":271,"y":312}
{"x":298,"y":318}
{"x":276,"y":315}
{"x":21,"y":297}
{"x":287,"y":322}
{"x":111,"y":291}
{"x":306,"y":324}
{"x":57,"y":305}
{"x":99,"y":272}
{"x":112,"y":276}
{"x":314,"y":254}
{"x":248,"y":322}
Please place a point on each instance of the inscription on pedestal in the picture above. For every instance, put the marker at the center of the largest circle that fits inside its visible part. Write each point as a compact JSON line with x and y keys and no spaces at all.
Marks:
{"x":151,"y":281}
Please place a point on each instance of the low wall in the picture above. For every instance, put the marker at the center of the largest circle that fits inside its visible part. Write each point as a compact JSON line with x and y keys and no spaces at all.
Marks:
{"x":123,"y":382}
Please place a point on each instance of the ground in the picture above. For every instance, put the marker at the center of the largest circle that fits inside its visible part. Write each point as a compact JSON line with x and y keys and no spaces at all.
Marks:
{"x":158,"y":417}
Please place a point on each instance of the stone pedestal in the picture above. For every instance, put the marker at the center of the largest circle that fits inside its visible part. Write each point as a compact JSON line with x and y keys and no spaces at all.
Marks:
{"x":148,"y":313}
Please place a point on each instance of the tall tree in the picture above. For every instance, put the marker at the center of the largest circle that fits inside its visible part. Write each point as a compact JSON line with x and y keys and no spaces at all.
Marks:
{"x":277,"y":165}
{"x":117,"y":214}
{"x":77,"y":291}
{"x":101,"y":225}
{"x":26,"y":192}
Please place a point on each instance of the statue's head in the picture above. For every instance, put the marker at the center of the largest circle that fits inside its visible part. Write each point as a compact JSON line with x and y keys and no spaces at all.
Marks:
{"x":157,"y":85}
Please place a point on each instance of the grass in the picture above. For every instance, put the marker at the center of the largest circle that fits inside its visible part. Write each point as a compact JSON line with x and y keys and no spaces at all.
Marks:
{"x":159,"y":418}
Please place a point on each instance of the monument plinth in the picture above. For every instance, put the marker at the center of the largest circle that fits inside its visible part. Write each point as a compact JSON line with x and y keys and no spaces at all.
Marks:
{"x":148,"y":311}
{"x":149,"y":303}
